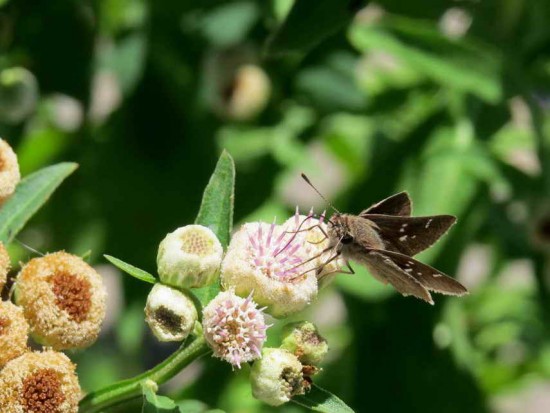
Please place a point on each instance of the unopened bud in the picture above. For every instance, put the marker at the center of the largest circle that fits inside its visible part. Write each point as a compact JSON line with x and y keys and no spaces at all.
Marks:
{"x":249,"y":93}
{"x":189,"y":257}
{"x":18,"y":94}
{"x":277,"y":377}
{"x":170,"y":313}
{"x":303,"y":340}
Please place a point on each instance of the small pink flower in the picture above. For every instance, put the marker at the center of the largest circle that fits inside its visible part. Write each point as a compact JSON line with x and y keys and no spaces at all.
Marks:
{"x":234,"y":328}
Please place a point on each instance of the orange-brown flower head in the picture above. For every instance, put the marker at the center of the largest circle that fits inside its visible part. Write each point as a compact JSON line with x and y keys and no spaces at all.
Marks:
{"x":9,"y":171}
{"x":39,"y":382}
{"x":63,"y":299}
{"x":4,"y":266}
{"x":14,"y":332}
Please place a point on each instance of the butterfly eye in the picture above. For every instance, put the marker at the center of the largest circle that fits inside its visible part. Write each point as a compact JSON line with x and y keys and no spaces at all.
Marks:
{"x":347,"y":238}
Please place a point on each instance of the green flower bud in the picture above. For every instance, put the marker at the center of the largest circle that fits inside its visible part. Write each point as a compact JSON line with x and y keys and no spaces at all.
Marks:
{"x":18,"y":94}
{"x":189,"y":257}
{"x":277,"y":377}
{"x":171,"y":314}
{"x":304,"y":341}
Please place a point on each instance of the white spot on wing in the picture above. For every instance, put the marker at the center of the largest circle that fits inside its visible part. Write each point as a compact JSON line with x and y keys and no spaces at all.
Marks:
{"x":436,"y":275}
{"x":428,"y":223}
{"x":403,"y":238}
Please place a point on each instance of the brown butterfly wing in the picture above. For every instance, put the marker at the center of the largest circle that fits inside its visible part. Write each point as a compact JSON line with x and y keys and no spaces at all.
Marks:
{"x":383,"y":268}
{"x":430,"y":278}
{"x":410,"y":235}
{"x":398,"y":204}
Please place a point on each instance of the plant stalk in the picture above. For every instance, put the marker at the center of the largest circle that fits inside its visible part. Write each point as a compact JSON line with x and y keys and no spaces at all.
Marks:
{"x":116,"y":393}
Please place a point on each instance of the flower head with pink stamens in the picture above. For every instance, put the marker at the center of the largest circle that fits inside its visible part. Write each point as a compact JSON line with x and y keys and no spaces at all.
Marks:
{"x":234,"y":328}
{"x":272,"y":263}
{"x":314,"y":232}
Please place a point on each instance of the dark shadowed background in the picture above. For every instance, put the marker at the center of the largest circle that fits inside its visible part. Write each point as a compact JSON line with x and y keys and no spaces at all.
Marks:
{"x":447,"y":100}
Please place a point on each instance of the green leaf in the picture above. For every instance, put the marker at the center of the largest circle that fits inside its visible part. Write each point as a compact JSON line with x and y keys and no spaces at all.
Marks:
{"x":321,"y":400}
{"x":31,"y":193}
{"x":452,"y":63}
{"x":130,"y":269}
{"x":195,"y":406}
{"x":192,"y":406}
{"x":309,"y":23}
{"x":153,"y":403}
{"x":228,"y":24}
{"x":216,"y":211}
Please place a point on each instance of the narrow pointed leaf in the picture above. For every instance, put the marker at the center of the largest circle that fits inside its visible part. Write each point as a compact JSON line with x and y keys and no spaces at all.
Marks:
{"x":321,"y":400}
{"x":31,"y":193}
{"x":216,"y":212}
{"x":130,"y":269}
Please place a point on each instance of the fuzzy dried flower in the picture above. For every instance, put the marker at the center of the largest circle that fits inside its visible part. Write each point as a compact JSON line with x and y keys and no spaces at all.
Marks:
{"x":9,"y":171}
{"x":272,"y":264}
{"x":234,"y":328}
{"x":170,"y":313}
{"x":63,"y":299}
{"x":39,"y":382}
{"x":189,"y":257}
{"x":304,"y":341}
{"x":277,"y":377}
{"x":14,"y":332}
{"x":4,"y":265}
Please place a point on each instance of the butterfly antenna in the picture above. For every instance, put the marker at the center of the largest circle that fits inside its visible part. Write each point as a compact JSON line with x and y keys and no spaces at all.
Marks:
{"x":320,"y":194}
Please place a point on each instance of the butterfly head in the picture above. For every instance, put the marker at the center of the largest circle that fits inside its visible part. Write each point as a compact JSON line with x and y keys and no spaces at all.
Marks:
{"x":338,"y":230}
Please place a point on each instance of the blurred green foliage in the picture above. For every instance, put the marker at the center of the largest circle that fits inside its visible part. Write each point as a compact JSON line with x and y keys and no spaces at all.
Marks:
{"x":449,"y":101}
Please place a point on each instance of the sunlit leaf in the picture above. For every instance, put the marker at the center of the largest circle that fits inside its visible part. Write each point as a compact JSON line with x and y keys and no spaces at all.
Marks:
{"x":153,"y":403}
{"x":453,"y":63}
{"x":31,"y":193}
{"x":130,"y":269}
{"x":321,"y":400}
{"x":216,"y":211}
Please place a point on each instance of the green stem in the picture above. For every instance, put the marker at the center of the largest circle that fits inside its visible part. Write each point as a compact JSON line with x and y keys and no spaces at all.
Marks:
{"x":127,"y":389}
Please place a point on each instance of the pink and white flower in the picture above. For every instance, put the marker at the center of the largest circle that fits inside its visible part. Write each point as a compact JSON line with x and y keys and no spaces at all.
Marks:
{"x":272,"y":263}
{"x":235,"y":328}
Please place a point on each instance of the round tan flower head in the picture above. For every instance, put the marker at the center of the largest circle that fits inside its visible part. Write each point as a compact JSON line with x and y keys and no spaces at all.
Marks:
{"x":9,"y":171}
{"x":189,"y":257}
{"x":4,"y":266}
{"x":14,"y":332}
{"x":63,"y":299}
{"x":272,"y":264}
{"x":39,"y":382}
{"x":170,"y":314}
